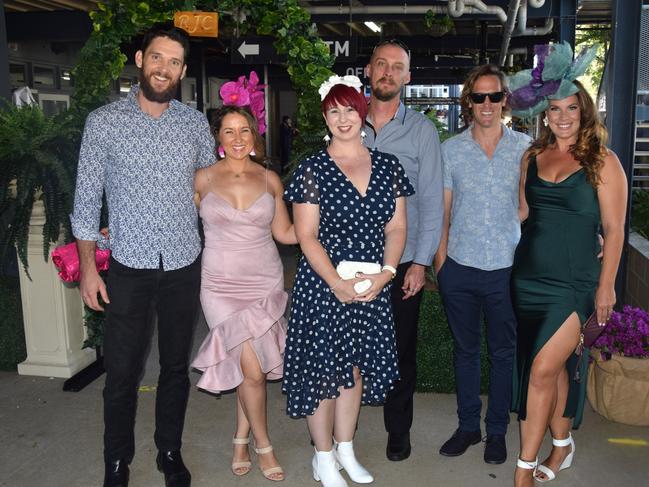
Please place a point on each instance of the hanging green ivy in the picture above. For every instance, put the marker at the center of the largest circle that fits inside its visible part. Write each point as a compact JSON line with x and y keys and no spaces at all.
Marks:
{"x":115,"y":22}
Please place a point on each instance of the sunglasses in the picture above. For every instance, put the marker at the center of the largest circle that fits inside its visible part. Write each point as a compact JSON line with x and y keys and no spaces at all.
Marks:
{"x":392,"y":42}
{"x":494,"y":97}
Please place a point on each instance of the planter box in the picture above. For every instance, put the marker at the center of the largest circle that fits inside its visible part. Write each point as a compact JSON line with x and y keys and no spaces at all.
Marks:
{"x":618,"y":388}
{"x":637,"y":272}
{"x":52,"y":314}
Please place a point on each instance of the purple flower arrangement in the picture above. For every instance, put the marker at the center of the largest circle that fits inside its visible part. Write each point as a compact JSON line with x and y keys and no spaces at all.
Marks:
{"x":626,"y":334}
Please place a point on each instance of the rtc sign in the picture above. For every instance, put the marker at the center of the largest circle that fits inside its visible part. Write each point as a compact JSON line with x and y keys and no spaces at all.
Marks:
{"x":260,"y":50}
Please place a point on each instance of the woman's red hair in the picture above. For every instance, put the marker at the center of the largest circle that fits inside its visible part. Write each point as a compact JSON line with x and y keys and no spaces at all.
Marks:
{"x":346,"y":96}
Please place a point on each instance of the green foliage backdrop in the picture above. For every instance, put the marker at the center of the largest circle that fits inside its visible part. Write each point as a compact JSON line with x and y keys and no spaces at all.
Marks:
{"x":435,"y":350}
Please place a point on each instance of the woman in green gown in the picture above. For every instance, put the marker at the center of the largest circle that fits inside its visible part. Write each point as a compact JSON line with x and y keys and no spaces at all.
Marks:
{"x":572,"y":187}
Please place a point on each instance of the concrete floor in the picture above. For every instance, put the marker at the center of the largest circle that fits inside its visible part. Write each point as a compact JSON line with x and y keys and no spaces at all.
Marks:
{"x":52,"y":438}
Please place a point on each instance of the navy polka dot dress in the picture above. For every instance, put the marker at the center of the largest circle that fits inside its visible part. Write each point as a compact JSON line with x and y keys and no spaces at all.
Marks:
{"x":327,"y":338}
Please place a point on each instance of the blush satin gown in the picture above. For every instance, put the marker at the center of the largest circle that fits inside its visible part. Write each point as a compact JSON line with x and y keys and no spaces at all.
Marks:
{"x":242,"y":292}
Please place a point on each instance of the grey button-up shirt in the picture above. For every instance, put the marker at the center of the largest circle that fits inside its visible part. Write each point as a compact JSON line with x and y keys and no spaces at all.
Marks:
{"x":413,"y":138}
{"x":146,"y":166}
{"x":485,"y":227}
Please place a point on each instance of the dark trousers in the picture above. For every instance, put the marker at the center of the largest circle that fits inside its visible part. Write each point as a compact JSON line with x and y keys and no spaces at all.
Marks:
{"x":397,"y":411}
{"x":135,"y":294}
{"x":466,"y":292}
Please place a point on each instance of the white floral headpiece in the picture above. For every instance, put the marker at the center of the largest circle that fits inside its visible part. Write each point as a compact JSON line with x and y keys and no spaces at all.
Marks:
{"x":334,"y":80}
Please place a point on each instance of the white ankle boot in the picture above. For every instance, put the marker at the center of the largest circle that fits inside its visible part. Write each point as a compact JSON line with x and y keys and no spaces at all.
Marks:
{"x":344,"y":452}
{"x":325,"y":469}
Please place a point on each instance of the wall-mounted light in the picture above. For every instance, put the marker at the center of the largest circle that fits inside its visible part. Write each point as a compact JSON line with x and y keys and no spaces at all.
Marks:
{"x":373,"y":26}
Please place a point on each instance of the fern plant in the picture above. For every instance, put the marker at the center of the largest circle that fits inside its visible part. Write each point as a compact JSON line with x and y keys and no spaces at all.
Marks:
{"x":38,"y":156}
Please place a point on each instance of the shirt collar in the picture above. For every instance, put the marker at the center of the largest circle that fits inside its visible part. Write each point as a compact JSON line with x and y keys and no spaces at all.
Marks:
{"x":400,"y":115}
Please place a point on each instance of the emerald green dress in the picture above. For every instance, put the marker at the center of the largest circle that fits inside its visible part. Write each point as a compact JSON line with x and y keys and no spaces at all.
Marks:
{"x":556,"y":271}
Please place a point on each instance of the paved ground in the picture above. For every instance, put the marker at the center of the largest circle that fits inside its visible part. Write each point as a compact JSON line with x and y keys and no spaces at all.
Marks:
{"x":51,"y":438}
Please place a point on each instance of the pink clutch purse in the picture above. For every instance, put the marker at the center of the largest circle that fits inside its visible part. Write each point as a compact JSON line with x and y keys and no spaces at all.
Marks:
{"x":66,"y":260}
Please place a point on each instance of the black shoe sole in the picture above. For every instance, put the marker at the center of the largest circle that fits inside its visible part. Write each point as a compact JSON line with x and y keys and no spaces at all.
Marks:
{"x":398,"y":456}
{"x":446,"y":454}
{"x":495,"y":462}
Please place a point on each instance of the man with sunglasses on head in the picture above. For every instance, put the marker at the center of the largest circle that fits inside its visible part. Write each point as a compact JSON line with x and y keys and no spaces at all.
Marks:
{"x":473,"y":263}
{"x":413,"y":138}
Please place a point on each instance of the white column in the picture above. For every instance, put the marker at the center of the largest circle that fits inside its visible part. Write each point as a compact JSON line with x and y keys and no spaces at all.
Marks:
{"x":52,"y":313}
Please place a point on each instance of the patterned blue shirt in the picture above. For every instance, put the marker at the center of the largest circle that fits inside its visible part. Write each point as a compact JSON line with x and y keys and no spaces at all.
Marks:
{"x":485,"y":227}
{"x":146,"y":166}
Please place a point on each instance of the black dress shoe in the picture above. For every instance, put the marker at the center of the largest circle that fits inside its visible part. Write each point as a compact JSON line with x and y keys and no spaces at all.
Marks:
{"x":495,"y":451}
{"x":116,"y":474}
{"x":459,"y":442}
{"x":171,"y":464}
{"x":398,"y":447}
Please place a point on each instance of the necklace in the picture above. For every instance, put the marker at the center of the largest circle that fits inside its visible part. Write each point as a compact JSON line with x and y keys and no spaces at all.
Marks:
{"x":235,"y":173}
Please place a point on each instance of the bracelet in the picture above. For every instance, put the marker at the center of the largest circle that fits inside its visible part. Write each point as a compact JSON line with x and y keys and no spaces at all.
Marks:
{"x":389,"y":268}
{"x":332,"y":288}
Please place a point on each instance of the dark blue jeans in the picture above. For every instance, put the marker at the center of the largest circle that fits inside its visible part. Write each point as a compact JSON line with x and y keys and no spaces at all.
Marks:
{"x":135,"y":294}
{"x":467,"y":292}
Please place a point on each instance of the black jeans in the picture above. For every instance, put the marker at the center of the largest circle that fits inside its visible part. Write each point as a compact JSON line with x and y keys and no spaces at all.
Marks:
{"x":135,"y":294}
{"x":466,"y":292}
{"x":397,"y":411}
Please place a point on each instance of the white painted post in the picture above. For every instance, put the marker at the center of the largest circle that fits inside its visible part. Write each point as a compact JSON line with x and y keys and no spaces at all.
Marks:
{"x":52,"y":313}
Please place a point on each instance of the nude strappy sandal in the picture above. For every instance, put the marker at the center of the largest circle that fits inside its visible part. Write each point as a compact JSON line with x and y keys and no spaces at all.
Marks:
{"x":241,"y":468}
{"x":272,"y":470}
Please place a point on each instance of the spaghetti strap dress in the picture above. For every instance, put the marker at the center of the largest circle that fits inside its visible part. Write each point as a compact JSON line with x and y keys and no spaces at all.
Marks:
{"x":326,"y":338}
{"x":555,"y":273}
{"x":242,"y":292}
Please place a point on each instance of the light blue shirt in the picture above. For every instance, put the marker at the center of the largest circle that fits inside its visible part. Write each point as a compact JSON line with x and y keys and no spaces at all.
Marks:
{"x":413,"y":138}
{"x":485,"y":227}
{"x":146,"y":166}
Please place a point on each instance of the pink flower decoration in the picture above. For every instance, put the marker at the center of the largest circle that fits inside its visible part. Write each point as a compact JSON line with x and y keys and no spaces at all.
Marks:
{"x":246,"y":92}
{"x":235,"y":94}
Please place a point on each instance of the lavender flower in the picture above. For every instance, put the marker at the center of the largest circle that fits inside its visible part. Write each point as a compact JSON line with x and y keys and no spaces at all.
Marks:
{"x":627,"y":334}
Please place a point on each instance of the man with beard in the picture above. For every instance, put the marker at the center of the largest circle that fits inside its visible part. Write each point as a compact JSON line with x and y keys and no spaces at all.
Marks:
{"x":411,"y":136}
{"x":143,"y":151}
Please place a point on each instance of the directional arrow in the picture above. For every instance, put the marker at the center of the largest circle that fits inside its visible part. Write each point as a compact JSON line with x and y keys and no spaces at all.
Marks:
{"x":248,"y":49}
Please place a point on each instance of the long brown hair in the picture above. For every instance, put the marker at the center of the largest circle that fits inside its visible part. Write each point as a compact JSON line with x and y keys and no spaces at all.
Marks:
{"x":590,"y":148}
{"x":245,"y":112}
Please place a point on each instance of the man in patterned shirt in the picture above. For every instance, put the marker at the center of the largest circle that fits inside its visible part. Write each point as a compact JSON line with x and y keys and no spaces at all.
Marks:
{"x":143,"y":151}
{"x":473,"y":263}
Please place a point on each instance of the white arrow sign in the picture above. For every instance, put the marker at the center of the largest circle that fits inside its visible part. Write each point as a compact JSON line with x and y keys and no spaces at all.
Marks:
{"x":248,"y":49}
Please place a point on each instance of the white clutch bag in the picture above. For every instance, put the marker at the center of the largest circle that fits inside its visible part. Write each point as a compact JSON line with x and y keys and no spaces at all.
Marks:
{"x":347,"y":269}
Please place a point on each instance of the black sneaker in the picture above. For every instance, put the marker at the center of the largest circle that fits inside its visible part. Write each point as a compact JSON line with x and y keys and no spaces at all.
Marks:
{"x":495,"y":450}
{"x":459,"y":442}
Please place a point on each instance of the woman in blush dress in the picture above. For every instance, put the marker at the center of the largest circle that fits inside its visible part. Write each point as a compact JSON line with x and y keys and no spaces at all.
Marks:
{"x":571,"y":184}
{"x":348,"y":205}
{"x":242,"y":283}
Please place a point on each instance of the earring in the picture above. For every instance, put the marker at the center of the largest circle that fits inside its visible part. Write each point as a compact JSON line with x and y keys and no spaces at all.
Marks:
{"x":253,"y":153}
{"x":545,"y":121}
{"x":363,"y":134}
{"x":221,"y":152}
{"x":326,"y":138}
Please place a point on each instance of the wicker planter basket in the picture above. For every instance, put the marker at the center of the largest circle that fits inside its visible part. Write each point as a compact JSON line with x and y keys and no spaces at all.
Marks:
{"x":618,"y":388}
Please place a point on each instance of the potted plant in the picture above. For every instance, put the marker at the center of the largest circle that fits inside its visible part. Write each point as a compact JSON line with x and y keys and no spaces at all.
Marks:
{"x":618,"y":378}
{"x":38,"y":157}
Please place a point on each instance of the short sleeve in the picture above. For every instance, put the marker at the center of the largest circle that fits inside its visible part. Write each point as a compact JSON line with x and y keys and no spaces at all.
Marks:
{"x":303,"y":187}
{"x":400,"y":183}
